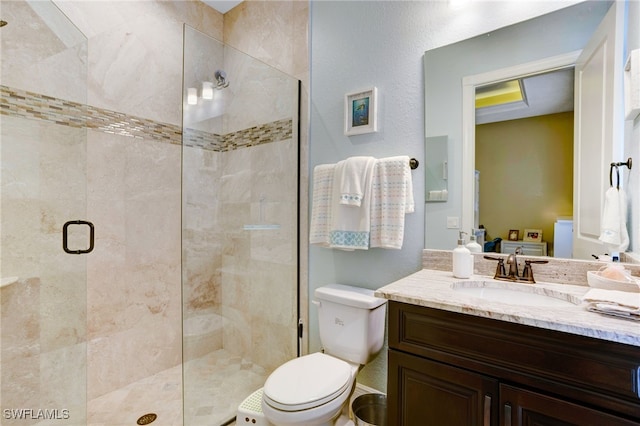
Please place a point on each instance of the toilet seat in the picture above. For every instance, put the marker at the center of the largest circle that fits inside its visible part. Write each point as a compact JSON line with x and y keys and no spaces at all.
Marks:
{"x":307,"y":382}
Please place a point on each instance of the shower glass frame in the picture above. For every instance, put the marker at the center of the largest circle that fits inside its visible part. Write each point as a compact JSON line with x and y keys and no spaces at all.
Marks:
{"x":240,"y":227}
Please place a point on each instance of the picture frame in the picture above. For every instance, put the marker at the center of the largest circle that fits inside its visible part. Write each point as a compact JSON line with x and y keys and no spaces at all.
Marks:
{"x":361,"y":112}
{"x":532,"y":235}
{"x":514,"y":235}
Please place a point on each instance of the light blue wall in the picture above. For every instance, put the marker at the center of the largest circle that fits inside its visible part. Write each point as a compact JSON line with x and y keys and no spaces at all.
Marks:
{"x":354,"y":46}
{"x":357,"y":44}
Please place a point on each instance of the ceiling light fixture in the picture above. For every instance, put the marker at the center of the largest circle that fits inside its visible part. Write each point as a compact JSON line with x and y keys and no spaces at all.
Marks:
{"x":499,"y":93}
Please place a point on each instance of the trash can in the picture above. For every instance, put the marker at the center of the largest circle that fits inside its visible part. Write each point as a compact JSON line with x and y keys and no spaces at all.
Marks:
{"x":370,"y":409}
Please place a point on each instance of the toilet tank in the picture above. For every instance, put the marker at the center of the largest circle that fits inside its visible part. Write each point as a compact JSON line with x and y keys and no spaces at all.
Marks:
{"x":351,"y":321}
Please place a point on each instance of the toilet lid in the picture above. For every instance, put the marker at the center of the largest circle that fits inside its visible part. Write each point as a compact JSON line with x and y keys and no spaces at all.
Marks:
{"x":307,"y":382}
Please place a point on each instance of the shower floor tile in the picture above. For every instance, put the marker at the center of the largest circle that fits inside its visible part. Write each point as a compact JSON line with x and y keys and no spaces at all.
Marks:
{"x":160,"y":394}
{"x":215,"y":385}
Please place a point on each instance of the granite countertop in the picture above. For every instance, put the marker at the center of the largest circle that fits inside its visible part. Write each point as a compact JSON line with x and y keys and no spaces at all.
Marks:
{"x":435,"y":289}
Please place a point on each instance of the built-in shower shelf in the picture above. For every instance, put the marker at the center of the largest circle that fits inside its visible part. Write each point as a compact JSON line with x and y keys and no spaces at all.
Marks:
{"x":260,"y":227}
{"x":262,"y":223}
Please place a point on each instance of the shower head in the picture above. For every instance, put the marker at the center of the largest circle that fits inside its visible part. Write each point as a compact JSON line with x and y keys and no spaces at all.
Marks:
{"x":221,"y":79}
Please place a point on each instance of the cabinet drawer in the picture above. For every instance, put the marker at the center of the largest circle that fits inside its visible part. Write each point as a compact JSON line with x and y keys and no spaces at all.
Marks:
{"x":599,"y":372}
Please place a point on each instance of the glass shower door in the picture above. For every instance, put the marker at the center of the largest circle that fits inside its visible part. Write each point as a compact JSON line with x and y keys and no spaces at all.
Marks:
{"x":239,"y":226}
{"x":42,"y":212}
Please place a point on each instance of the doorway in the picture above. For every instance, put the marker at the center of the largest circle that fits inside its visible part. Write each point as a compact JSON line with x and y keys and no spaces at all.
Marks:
{"x":524,"y":157}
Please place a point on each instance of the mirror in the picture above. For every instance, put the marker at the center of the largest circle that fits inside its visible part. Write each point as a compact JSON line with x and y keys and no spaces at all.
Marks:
{"x":560,"y":36}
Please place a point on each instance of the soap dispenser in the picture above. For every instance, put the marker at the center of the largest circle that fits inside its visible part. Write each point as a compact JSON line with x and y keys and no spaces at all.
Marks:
{"x":473,"y":245}
{"x":462,"y":259}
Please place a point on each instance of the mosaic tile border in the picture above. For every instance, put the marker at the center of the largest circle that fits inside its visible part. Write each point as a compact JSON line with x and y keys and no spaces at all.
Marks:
{"x":35,"y":106}
{"x":258,"y":135}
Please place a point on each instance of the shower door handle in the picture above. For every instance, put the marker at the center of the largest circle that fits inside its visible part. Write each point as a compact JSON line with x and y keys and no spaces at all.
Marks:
{"x":65,"y":239}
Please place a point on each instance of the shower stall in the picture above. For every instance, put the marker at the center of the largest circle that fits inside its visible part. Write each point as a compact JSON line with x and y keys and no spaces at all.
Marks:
{"x":149,"y":268}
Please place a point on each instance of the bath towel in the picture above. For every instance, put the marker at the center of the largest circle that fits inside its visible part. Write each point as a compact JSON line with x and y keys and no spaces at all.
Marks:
{"x":321,"y":204}
{"x":391,"y":200}
{"x":613,"y":302}
{"x":613,"y":228}
{"x":350,"y":219}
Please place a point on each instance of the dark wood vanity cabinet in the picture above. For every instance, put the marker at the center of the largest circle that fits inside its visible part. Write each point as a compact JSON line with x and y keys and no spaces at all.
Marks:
{"x":425,"y":392}
{"x":450,"y":369}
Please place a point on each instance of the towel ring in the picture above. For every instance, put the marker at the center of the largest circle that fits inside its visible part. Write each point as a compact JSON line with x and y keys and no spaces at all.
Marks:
{"x":617,"y":176}
{"x":627,"y":163}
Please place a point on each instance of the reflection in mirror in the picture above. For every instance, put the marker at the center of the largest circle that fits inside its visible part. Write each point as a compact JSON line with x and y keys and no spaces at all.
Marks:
{"x":436,"y":169}
{"x":528,"y":143}
{"x":526,"y":173}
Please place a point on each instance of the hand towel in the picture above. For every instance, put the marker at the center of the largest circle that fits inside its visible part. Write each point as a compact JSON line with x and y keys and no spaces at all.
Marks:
{"x":613,"y":302}
{"x":391,"y":199}
{"x":350,"y":222}
{"x":353,"y":174}
{"x":613,"y":228}
{"x":321,"y":204}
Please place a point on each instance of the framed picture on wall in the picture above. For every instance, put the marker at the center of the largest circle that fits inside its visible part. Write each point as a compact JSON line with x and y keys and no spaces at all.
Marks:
{"x":514,"y":234}
{"x":532,"y":235}
{"x":360,"y":112}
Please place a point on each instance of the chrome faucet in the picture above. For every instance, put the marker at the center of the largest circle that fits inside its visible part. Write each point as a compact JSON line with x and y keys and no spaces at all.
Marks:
{"x":514,"y":275}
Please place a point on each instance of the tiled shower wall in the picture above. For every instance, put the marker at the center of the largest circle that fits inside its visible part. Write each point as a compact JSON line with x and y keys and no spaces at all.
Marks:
{"x":43,"y":184}
{"x":277,"y":33}
{"x":126,"y":183}
{"x":240,"y":285}
{"x":133,"y":184}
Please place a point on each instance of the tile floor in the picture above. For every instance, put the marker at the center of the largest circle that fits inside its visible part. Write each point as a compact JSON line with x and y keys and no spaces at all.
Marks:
{"x":216,"y":384}
{"x":214,"y":387}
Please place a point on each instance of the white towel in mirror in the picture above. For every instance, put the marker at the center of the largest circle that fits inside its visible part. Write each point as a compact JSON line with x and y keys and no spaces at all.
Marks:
{"x":613,"y":226}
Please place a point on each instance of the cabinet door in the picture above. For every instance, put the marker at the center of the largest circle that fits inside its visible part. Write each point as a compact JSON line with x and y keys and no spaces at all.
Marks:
{"x":428,"y":393}
{"x":521,"y":407}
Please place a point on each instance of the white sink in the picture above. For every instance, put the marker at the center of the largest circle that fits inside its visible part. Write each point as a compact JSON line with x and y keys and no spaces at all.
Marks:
{"x":516,"y":294}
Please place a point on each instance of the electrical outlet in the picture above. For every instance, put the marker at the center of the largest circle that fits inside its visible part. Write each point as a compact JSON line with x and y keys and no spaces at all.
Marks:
{"x":453,"y":222}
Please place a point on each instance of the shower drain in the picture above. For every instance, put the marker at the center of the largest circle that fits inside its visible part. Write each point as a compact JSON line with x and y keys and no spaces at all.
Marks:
{"x":147,"y":418}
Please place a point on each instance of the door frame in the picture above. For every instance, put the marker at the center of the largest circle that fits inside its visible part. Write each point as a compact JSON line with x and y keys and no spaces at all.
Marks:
{"x":469,"y":84}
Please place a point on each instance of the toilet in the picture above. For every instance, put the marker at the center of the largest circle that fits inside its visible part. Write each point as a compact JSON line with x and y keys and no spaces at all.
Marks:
{"x":314,"y":389}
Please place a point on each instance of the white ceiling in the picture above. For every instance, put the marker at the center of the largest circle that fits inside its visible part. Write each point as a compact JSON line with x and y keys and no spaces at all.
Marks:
{"x":222,"y":6}
{"x":547,"y":93}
